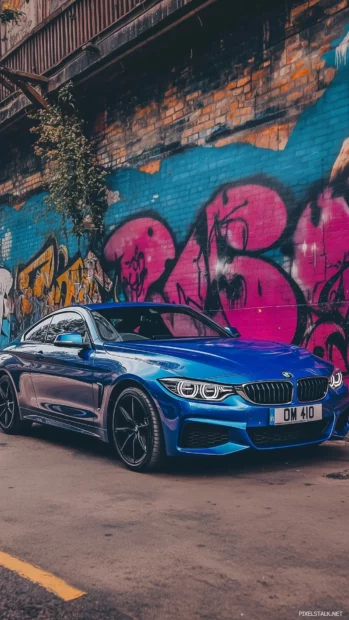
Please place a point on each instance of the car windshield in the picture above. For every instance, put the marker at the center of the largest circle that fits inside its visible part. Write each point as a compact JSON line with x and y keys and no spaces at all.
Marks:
{"x":154,"y":323}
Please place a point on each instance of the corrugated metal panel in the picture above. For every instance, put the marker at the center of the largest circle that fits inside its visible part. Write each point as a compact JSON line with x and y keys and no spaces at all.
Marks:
{"x":64,"y":33}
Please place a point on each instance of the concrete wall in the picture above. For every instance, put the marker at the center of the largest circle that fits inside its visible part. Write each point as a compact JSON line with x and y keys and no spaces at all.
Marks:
{"x":227,"y":150}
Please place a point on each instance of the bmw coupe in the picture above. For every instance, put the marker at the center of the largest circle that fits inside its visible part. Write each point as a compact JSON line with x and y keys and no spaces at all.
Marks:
{"x":158,"y":379}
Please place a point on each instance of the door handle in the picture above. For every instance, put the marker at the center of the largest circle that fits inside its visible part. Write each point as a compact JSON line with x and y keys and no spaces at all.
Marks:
{"x":39,"y":354}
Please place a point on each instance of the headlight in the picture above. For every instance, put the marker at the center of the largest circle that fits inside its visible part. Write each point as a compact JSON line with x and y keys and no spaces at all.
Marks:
{"x":198,"y":390}
{"x":336,"y":380}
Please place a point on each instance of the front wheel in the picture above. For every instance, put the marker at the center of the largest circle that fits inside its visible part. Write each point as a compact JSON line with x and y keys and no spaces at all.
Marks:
{"x":136,"y":431}
{"x":10,"y":421}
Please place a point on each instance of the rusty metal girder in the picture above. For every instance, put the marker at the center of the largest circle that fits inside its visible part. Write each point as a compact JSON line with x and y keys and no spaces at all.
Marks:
{"x":24,"y":81}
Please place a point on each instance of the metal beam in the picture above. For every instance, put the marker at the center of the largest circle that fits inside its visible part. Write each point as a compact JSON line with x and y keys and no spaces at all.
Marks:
{"x":7,"y":84}
{"x":34,"y":78}
{"x":33,"y":95}
{"x":22,"y":81}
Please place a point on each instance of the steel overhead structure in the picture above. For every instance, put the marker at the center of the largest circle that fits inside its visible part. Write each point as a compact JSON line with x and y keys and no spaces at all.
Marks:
{"x":24,"y":81}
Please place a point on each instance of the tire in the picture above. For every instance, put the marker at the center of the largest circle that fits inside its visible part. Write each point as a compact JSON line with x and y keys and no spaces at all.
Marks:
{"x":10,"y":421}
{"x":136,"y":431}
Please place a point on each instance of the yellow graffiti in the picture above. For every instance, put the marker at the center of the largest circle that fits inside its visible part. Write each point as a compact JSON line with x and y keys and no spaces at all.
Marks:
{"x":14,"y":4}
{"x":68,"y":284}
{"x":49,"y":282}
{"x":43,"y":267}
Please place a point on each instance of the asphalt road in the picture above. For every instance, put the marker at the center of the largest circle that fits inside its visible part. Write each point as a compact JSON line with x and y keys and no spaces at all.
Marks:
{"x":254,"y":537}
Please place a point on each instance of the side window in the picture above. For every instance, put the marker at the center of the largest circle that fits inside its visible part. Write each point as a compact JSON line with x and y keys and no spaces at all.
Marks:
{"x":106,"y":329}
{"x":38,"y":333}
{"x":65,"y":323}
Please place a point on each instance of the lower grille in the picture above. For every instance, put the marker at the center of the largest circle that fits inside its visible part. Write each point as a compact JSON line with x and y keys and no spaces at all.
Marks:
{"x":288,"y":434}
{"x":198,"y":435}
{"x":312,"y":389}
{"x":269,"y":392}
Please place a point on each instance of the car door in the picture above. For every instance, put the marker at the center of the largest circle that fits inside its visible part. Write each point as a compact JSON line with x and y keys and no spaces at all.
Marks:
{"x":26,"y":352}
{"x":63,"y":376}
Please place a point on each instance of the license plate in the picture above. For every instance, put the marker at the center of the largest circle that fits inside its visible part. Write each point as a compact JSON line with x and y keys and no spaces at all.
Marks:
{"x":295,"y":415}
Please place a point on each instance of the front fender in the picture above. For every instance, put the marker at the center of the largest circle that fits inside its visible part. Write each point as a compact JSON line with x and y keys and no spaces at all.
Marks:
{"x":116,"y":387}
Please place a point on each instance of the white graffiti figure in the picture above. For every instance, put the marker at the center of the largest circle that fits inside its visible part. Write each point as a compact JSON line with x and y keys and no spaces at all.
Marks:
{"x":6,"y":282}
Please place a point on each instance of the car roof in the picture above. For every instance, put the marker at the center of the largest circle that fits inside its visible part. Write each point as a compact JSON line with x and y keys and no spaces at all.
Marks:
{"x":129,"y":304}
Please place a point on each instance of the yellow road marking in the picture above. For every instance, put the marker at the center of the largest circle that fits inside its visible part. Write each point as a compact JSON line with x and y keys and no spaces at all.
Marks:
{"x":37,"y":575}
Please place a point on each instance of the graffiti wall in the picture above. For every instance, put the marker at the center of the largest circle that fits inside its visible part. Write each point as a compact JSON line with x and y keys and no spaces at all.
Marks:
{"x":253,"y":235}
{"x":50,"y":280}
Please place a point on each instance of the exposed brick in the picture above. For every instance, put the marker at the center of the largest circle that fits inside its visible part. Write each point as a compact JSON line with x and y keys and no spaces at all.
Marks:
{"x":243,"y":81}
{"x":219,"y":96}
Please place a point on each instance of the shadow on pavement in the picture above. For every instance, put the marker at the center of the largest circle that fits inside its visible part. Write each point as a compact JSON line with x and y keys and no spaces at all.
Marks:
{"x":245,"y":462}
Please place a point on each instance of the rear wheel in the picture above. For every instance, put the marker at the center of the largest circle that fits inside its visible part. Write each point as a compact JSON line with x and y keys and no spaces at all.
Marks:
{"x":10,"y":421}
{"x":136,"y":431}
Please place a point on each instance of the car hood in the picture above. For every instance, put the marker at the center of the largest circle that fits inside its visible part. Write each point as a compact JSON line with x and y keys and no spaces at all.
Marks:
{"x":208,"y":359}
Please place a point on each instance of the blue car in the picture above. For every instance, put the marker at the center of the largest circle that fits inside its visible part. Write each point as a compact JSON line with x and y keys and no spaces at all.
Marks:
{"x":157,"y":380}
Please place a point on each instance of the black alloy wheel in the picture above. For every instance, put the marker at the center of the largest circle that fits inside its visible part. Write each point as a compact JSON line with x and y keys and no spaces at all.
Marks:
{"x":136,"y":431}
{"x":10,"y":421}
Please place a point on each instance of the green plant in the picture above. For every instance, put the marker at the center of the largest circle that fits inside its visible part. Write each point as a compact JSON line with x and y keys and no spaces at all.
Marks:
{"x":75,"y":183}
{"x":9,"y":14}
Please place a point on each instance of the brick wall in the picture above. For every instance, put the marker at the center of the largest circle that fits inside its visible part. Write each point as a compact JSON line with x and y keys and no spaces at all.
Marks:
{"x":227,"y":146}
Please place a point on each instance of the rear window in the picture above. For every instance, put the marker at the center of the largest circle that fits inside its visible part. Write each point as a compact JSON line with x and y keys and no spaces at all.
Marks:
{"x":38,"y":333}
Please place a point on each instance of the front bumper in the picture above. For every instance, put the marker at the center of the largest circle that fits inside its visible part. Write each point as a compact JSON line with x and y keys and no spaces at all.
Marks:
{"x":234,"y":425}
{"x":341,"y":428}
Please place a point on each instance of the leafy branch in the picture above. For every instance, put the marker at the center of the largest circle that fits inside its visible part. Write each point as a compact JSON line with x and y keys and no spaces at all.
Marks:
{"x":75,"y":183}
{"x":8,"y":14}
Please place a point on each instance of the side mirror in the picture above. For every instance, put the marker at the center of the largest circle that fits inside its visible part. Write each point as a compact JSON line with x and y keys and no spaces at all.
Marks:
{"x":73,"y":340}
{"x":232,"y":331}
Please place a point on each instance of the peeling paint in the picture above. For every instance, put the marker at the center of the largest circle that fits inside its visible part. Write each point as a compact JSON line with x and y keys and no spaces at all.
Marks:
{"x":342,"y":51}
